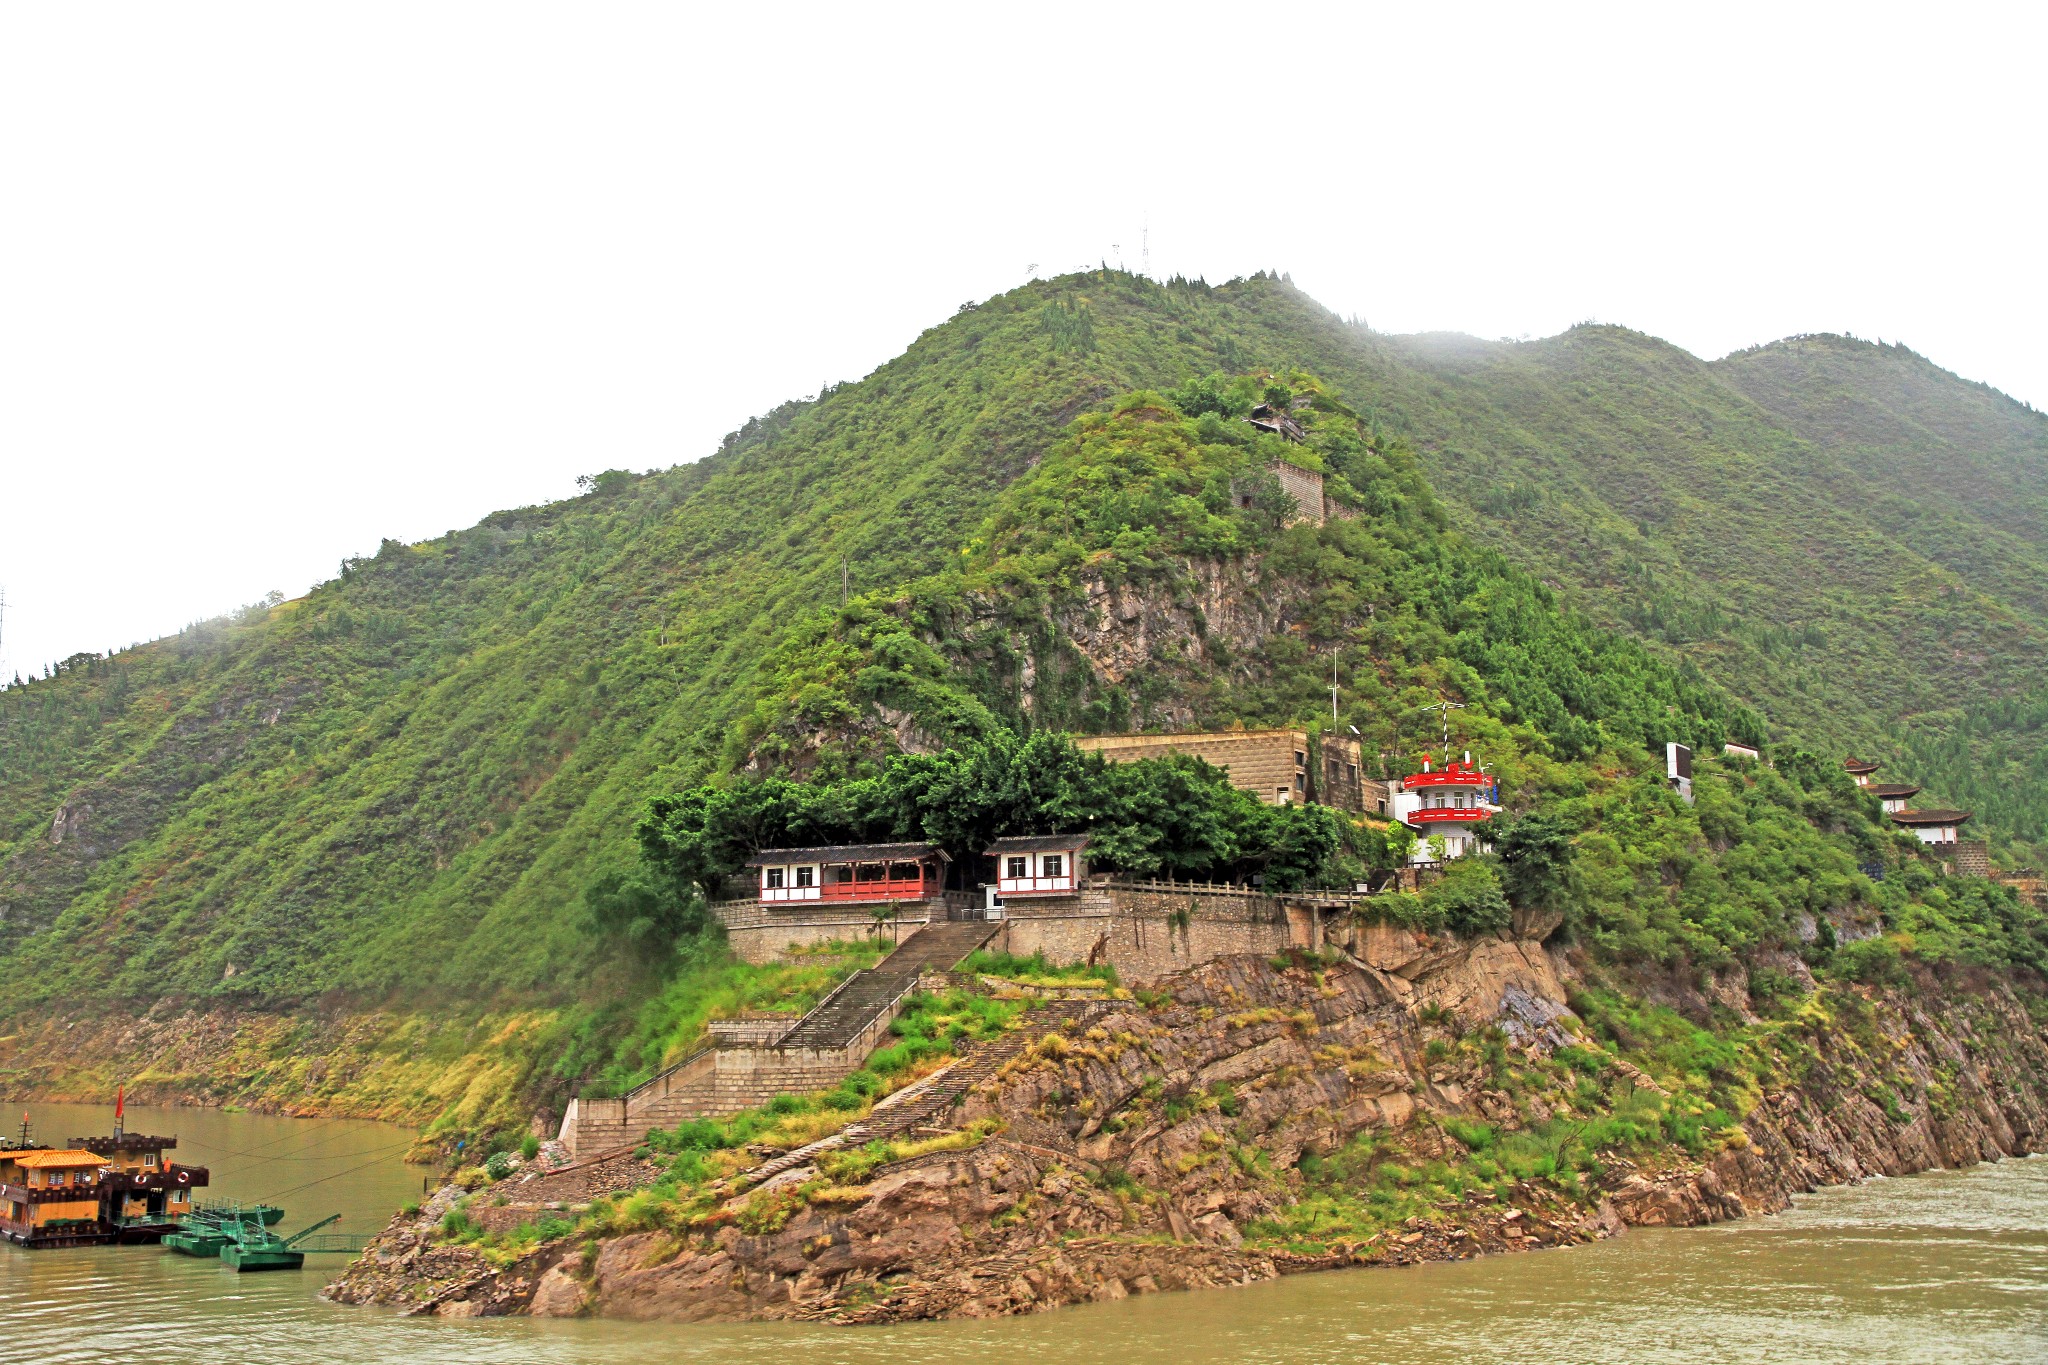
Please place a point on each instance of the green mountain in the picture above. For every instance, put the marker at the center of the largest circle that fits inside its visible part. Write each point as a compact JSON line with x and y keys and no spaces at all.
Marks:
{"x":1848,"y":537}
{"x":400,"y":787}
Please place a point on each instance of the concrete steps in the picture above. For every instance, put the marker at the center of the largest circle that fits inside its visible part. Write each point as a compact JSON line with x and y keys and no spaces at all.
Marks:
{"x":840,"y":1017}
{"x":800,"y":1059}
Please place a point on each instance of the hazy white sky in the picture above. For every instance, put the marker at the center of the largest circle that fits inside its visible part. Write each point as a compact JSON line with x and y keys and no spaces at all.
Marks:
{"x":277,"y":281}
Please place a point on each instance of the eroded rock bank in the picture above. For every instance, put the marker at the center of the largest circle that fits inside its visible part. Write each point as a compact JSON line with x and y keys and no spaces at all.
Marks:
{"x":1171,"y":1141}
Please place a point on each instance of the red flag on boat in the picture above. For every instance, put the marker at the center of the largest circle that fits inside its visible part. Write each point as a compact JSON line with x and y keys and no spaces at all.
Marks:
{"x":119,"y":1101}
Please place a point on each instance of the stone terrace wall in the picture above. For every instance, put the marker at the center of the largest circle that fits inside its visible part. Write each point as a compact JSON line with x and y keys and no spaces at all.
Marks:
{"x":762,"y":935}
{"x":1147,"y":930}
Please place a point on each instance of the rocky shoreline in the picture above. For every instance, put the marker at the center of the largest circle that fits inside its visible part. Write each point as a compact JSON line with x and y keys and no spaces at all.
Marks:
{"x":1118,"y":1167}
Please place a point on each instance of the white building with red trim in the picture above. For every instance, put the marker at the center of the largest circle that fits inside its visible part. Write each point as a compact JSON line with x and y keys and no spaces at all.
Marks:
{"x":1451,"y":804}
{"x":850,"y":873}
{"x":1039,"y":864}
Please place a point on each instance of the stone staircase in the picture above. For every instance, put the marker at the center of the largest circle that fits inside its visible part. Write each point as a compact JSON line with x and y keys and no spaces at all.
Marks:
{"x":841,"y":1016}
{"x":817,"y":1051}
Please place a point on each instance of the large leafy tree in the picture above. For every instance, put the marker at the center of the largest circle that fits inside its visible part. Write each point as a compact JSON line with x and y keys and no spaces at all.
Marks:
{"x":1176,"y":816}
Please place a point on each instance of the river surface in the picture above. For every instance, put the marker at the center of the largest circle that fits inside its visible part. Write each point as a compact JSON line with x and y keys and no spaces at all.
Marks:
{"x":1948,"y":1266}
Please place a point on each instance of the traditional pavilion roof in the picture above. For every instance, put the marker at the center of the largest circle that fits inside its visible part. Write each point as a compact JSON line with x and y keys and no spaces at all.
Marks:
{"x":1857,"y":767}
{"x":1883,"y":790}
{"x":845,"y":853}
{"x":1037,"y":843}
{"x":1930,"y":817}
{"x":57,"y":1158}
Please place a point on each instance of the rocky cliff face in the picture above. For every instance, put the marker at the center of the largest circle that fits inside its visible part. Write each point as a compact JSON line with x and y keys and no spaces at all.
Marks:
{"x":1151,"y":1145}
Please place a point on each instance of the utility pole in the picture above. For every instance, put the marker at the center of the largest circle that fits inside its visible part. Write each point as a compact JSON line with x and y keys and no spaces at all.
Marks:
{"x":1446,"y":707}
{"x":3,"y":638}
{"x":845,"y":582}
{"x":1333,"y":687}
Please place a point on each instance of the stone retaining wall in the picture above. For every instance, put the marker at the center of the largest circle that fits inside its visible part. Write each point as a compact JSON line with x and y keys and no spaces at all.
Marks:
{"x":1147,"y":930}
{"x":760,"y":935}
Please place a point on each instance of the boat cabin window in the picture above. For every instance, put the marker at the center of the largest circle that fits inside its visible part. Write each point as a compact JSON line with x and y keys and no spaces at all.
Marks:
{"x":1049,"y":865}
{"x":149,"y":1160}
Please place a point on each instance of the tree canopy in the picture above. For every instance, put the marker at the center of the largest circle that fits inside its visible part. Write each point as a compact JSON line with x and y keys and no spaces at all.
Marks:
{"x":1173,"y":816}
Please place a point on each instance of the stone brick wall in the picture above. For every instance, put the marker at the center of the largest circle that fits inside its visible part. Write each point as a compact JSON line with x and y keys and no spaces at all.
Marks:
{"x":760,"y":934}
{"x":1305,"y":486}
{"x":1262,"y":762}
{"x":749,"y":1032}
{"x":1147,"y":930}
{"x":1340,"y":777}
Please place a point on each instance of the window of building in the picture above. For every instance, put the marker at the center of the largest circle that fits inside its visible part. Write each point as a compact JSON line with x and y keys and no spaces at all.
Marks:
{"x":149,"y":1160}
{"x":807,"y":876}
{"x":1050,"y":865}
{"x":1351,"y":771}
{"x":903,"y":872}
{"x":1300,"y":759}
{"x":774,"y":881}
{"x":1019,"y":867}
{"x":872,"y":872}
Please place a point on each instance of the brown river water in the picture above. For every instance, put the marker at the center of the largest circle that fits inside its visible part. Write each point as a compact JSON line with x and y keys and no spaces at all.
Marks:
{"x":1948,"y":1266}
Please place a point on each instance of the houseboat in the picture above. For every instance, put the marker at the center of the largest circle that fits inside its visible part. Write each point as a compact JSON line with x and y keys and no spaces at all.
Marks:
{"x":51,"y":1198}
{"x":144,"y":1194}
{"x":119,"y":1188}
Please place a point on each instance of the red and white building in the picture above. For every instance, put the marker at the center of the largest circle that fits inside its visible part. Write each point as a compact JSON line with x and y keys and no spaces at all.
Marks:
{"x":850,"y":873}
{"x":1039,"y":865}
{"x":1451,"y":803}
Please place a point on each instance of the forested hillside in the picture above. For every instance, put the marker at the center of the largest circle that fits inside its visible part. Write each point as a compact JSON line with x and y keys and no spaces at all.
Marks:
{"x":1843,"y":534}
{"x":402,"y":784}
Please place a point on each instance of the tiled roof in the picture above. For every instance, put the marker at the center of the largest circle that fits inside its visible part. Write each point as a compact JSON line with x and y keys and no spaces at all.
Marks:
{"x":1857,"y":765}
{"x":1930,"y":817}
{"x":36,"y":1159}
{"x":1891,"y":789}
{"x":1038,"y":843}
{"x":843,"y":853}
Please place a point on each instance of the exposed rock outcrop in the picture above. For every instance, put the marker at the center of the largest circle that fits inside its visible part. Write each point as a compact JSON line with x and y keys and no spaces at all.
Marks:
{"x":1139,"y":1148}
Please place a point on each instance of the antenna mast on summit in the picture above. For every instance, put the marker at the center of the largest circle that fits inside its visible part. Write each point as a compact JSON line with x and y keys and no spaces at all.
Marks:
{"x":3,"y":637}
{"x":1145,"y":250}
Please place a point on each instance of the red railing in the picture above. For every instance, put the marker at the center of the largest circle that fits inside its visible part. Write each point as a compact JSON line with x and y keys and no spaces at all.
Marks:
{"x":904,"y":889}
{"x":1448,"y":815}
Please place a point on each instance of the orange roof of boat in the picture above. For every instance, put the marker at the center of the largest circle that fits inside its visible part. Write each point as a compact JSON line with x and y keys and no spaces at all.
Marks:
{"x":60,"y":1158}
